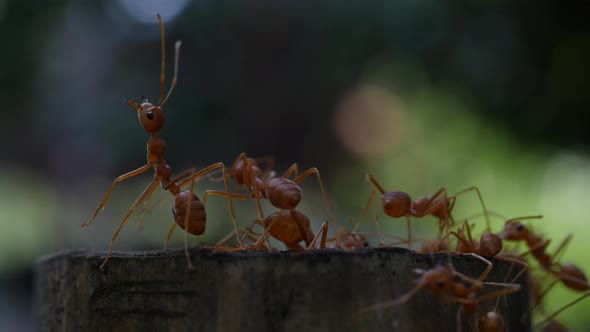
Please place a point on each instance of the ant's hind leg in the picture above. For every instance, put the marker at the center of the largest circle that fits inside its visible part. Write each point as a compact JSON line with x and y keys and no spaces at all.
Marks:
{"x":117,"y":180}
{"x":315,"y":171}
{"x":133,"y":207}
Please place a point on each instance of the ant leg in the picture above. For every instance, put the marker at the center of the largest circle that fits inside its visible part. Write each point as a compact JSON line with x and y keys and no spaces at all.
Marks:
{"x":249,"y":232}
{"x":370,"y":203}
{"x":233,"y":195}
{"x":483,"y":206}
{"x":323,"y":231}
{"x":551,"y":316}
{"x":409,"y":222}
{"x":539,"y":245}
{"x":508,"y":289}
{"x":207,"y":170}
{"x":226,"y":238}
{"x":170,"y":231}
{"x":375,"y":183}
{"x":266,"y":234}
{"x":460,"y":238}
{"x":512,"y":261}
{"x":435,"y":203}
{"x":539,"y":298}
{"x":133,"y":207}
{"x":117,"y":180}
{"x":561,"y":248}
{"x":484,"y":274}
{"x":249,"y":180}
{"x":186,"y":222}
{"x":241,"y":158}
{"x":315,"y":171}
{"x":387,"y":304}
{"x":145,"y":206}
{"x":293,"y":169}
{"x":223,"y":193}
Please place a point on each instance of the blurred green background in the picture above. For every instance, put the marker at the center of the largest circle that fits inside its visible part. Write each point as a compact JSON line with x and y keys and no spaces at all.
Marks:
{"x":422,"y":94}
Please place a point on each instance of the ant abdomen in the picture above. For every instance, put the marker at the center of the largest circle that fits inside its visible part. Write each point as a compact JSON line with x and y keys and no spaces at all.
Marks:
{"x":284,"y":227}
{"x":491,"y":322}
{"x":283,"y":193}
{"x":197,"y":218}
{"x":396,"y":203}
{"x":490,"y":244}
{"x":574,"y":277}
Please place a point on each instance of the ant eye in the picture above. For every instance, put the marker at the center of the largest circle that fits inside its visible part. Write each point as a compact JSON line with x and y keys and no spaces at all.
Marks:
{"x":519,"y":227}
{"x":150,"y":115}
{"x":440,"y":283}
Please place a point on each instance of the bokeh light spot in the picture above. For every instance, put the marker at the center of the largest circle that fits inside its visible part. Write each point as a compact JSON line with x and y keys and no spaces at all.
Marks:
{"x":370,"y":121}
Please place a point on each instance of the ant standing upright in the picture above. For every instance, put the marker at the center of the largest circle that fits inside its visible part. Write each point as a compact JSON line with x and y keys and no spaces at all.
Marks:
{"x":189,"y":212}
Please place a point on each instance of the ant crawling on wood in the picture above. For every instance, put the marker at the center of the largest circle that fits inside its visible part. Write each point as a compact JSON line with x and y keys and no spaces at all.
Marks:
{"x":282,"y":193}
{"x":569,"y":274}
{"x":189,"y":212}
{"x":449,"y":285}
{"x":398,"y":204}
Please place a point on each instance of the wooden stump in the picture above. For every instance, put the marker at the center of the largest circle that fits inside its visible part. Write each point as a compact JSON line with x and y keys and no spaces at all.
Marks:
{"x":250,"y":291}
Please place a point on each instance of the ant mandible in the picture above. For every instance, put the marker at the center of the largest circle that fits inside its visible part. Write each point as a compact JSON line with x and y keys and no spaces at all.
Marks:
{"x":189,"y":212}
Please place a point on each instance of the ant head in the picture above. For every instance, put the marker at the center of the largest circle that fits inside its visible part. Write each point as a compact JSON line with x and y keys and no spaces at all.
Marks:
{"x":438,"y":279}
{"x":396,"y":203}
{"x":151,"y":117}
{"x":514,"y":231}
{"x":242,"y":173}
{"x":490,"y":244}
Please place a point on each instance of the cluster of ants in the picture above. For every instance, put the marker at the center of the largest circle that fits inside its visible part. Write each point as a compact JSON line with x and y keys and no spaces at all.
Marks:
{"x":292,"y":227}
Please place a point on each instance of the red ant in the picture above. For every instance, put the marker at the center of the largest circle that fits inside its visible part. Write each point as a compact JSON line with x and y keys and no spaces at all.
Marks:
{"x":489,"y":245}
{"x":397,"y":204}
{"x":281,"y":192}
{"x":569,"y":274}
{"x":450,"y":285}
{"x":189,"y":212}
{"x":292,"y":229}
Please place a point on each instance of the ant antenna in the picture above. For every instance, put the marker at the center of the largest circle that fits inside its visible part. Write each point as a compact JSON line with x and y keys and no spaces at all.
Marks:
{"x":162,"y":100}
{"x":163,"y":74}
{"x":175,"y":78}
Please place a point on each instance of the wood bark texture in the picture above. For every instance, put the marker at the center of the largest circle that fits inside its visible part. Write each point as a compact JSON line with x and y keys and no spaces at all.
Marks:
{"x":318,"y":290}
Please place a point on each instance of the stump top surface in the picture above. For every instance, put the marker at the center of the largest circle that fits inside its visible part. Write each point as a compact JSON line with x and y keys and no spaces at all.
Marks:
{"x":315,"y":290}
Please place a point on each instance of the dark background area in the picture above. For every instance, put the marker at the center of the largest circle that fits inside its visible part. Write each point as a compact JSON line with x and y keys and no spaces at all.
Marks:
{"x":274,"y":79}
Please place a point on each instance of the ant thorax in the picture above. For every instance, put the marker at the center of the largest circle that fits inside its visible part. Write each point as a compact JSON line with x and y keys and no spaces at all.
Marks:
{"x":156,"y":148}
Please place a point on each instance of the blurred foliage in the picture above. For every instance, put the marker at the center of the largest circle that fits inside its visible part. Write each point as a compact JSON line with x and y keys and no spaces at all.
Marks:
{"x":422,"y":94}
